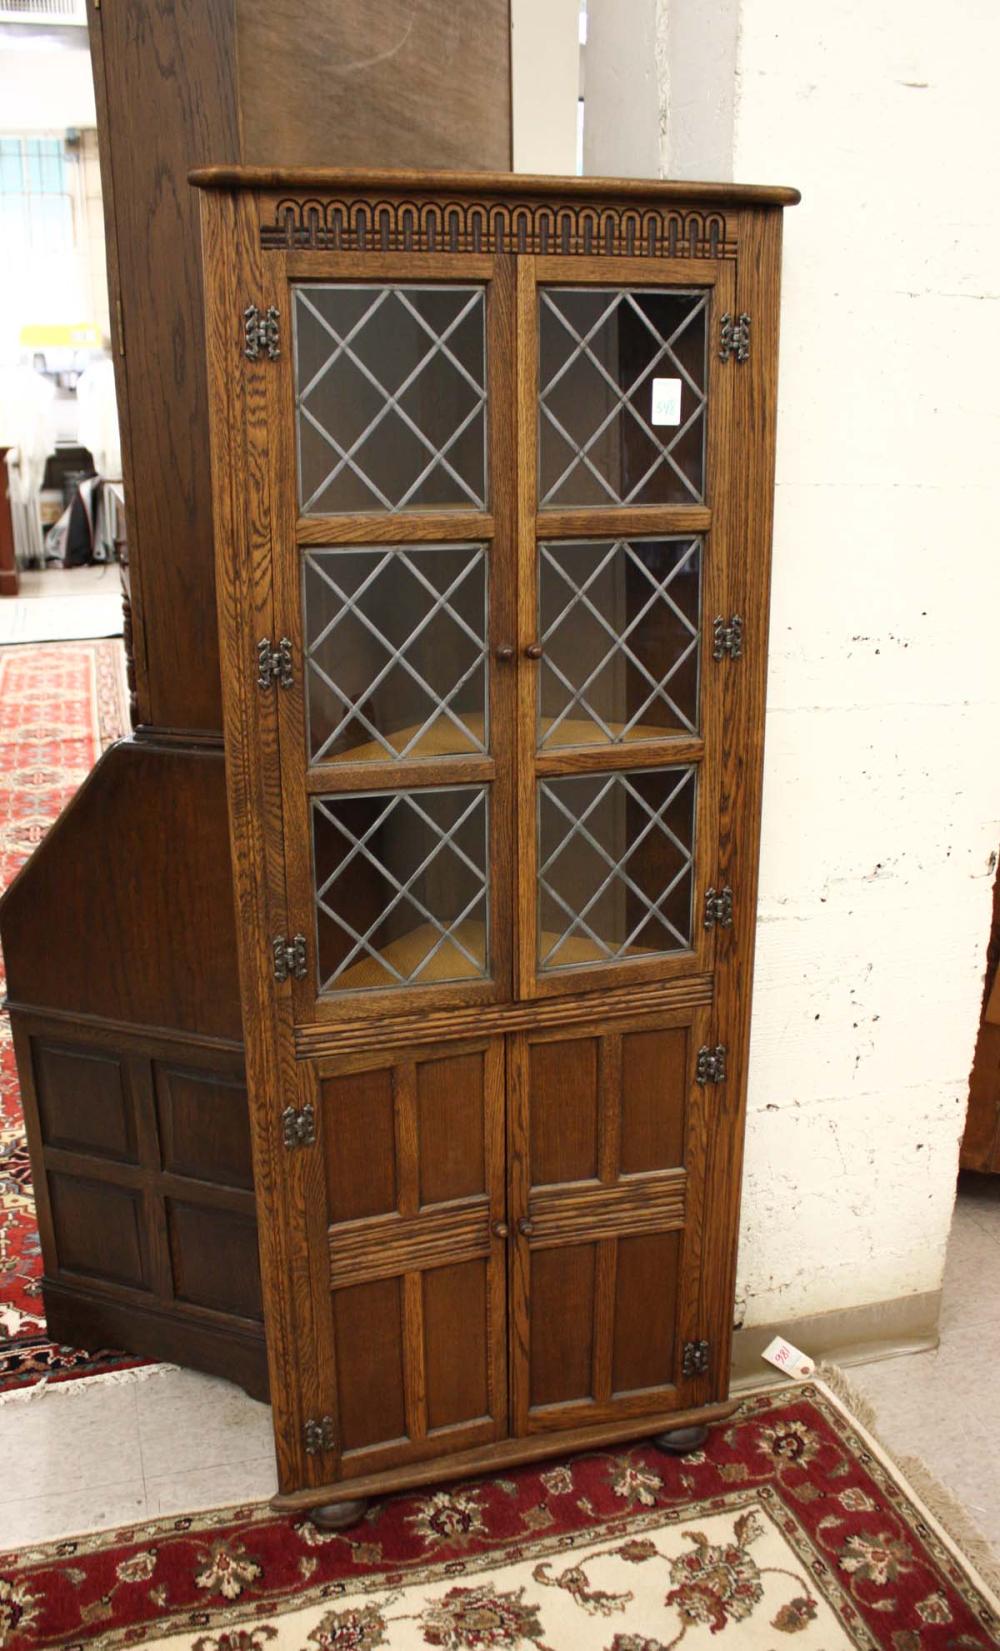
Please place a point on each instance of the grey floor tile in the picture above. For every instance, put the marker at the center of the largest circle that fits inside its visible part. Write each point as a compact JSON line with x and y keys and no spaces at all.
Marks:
{"x":70,"y":1438}
{"x":941,"y":1406}
{"x":70,"y":1513}
{"x":972,"y":1275}
{"x":214,"y":1487}
{"x":189,"y":1422}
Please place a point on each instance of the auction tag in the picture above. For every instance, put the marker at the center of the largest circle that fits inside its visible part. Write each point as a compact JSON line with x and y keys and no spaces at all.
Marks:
{"x":666,"y":401}
{"x":785,"y":1357}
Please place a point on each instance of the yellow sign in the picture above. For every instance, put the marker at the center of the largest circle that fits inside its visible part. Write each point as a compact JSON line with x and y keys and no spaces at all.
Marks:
{"x":82,"y":336}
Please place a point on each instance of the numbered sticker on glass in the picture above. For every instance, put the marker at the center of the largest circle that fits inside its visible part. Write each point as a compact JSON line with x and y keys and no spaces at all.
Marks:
{"x":666,"y":401}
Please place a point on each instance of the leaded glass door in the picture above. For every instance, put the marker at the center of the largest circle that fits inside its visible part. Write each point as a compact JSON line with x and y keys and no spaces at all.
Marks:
{"x":623,"y":533}
{"x":394,"y":584}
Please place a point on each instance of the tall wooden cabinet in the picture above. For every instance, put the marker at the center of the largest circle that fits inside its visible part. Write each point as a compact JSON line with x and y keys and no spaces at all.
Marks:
{"x":492,"y":470}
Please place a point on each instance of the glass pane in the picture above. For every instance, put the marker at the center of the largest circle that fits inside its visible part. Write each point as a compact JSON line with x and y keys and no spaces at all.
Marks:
{"x":622,"y":386}
{"x":615,"y":872}
{"x":390,"y":395}
{"x":402,"y":888}
{"x":619,"y":622}
{"x":395,"y":652}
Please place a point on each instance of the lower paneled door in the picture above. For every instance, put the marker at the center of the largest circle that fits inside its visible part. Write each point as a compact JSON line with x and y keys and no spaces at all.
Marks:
{"x":514,"y":1227}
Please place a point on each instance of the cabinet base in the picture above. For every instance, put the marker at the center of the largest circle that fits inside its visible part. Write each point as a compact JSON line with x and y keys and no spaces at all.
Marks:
{"x":336,"y":1516}
{"x":504,"y":1453}
{"x":680,"y":1441}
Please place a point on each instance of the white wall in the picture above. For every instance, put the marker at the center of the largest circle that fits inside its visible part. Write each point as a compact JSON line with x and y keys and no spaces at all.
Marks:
{"x":882,"y":785}
{"x":45,"y":86}
{"x":545,"y":82}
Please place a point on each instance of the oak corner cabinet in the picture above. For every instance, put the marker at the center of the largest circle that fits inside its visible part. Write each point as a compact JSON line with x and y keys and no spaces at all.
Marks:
{"x":492,"y":472}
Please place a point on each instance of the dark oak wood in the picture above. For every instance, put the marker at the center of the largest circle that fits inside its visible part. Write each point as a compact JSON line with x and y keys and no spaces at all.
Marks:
{"x":413,"y":1149}
{"x":167,"y":97}
{"x":442,"y":181}
{"x":140,"y":1158}
{"x":425,"y":85}
{"x":546,"y":1180}
{"x":131,"y":894}
{"x":8,"y":562}
{"x":153,"y":943}
{"x":492,"y":1458}
{"x":981,"y":1140}
{"x":606,"y":1134}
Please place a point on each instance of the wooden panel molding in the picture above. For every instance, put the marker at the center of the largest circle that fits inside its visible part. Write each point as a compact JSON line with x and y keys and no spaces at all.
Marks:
{"x":642,"y":1203}
{"x":383,"y":1246}
{"x":348,"y":223}
{"x":687,"y":992}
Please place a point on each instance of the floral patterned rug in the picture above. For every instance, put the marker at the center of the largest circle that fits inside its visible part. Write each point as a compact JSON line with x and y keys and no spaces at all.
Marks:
{"x":61,"y":704}
{"x":789,"y":1528}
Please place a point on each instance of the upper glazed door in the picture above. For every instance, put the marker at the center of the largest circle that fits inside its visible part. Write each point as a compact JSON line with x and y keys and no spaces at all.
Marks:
{"x":625,"y":416}
{"x":394,"y":585}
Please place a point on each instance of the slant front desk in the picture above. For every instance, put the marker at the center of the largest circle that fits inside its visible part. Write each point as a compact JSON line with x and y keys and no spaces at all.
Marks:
{"x":492,"y":474}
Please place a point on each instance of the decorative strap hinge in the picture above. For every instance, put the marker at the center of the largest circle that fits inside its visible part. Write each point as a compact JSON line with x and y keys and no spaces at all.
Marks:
{"x":274,"y":663}
{"x":719,"y":908}
{"x":734,"y":337}
{"x":695,"y":1359}
{"x":318,"y":1435}
{"x":298,"y":1126}
{"x":711,"y":1067}
{"x":260,"y":333}
{"x":727,"y":638}
{"x":289,"y":957}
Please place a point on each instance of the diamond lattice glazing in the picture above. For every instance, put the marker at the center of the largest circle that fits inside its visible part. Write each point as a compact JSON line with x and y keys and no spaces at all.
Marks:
{"x":600,"y":350}
{"x":390,"y":396}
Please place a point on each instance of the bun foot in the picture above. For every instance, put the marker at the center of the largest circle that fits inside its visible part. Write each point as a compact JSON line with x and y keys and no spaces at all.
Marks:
{"x":681,"y":1441}
{"x":337,"y":1516}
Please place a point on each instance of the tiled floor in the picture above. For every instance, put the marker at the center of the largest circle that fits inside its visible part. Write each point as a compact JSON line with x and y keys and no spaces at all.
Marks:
{"x":943,"y":1406}
{"x":105,"y":1455}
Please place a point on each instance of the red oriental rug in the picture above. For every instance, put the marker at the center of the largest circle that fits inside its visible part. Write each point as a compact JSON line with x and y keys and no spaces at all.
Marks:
{"x":789,"y":1528}
{"x":61,"y":704}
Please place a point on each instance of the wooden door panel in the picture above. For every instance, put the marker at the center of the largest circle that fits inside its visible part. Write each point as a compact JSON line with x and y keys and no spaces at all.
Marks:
{"x":371,"y":1386}
{"x":563,"y":1118}
{"x":396,"y":729}
{"x":644,"y":1343}
{"x":607,"y":1241}
{"x":562,"y":1324}
{"x":618,"y":703}
{"x":412,"y":1145}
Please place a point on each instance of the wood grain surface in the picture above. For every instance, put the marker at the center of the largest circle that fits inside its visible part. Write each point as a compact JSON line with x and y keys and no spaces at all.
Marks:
{"x":538,"y":1182}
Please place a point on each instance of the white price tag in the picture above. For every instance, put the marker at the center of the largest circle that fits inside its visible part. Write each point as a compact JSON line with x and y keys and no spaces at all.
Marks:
{"x":666,"y":401}
{"x":784,"y":1356}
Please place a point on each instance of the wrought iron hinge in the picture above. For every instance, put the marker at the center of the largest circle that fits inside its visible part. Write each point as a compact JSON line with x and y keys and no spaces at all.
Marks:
{"x":289,"y":957}
{"x":318,"y":1435}
{"x":274,"y":663}
{"x":695,"y":1360}
{"x":719,"y":908}
{"x":727,"y":639}
{"x":734,"y":337}
{"x":711,"y":1067}
{"x":260,"y":333}
{"x":298,"y":1126}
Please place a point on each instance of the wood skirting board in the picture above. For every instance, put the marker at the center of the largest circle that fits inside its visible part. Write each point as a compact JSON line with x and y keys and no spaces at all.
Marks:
{"x":849,"y":1335}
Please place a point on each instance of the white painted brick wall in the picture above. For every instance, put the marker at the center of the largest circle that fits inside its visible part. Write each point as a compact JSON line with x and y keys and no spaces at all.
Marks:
{"x":882,"y":777}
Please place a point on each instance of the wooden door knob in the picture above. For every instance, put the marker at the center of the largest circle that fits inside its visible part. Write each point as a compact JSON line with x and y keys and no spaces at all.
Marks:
{"x":504,"y":655}
{"x":534,"y":650}
{"x":501,"y":1229}
{"x":525,"y":1226}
